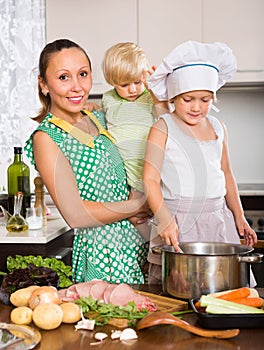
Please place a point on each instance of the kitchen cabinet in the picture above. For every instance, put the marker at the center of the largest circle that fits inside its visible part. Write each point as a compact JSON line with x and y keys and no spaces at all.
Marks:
{"x":159,"y":26}
{"x":162,"y":25}
{"x":238,"y":23}
{"x":95,"y":25}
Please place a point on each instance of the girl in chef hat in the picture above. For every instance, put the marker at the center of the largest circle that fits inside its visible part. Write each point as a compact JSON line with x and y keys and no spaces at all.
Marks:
{"x":187,"y":173}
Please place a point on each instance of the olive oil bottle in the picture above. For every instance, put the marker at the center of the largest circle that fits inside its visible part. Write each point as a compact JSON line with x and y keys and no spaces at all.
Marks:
{"x":16,"y":222}
{"x":18,"y":177}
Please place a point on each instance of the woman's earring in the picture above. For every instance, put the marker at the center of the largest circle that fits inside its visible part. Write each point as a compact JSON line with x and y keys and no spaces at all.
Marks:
{"x":44,"y":92}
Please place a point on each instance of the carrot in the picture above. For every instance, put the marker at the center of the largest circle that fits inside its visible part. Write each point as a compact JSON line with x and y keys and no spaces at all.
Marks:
{"x":199,"y":307}
{"x":255,"y":302}
{"x":239,"y":293}
{"x":197,"y":304}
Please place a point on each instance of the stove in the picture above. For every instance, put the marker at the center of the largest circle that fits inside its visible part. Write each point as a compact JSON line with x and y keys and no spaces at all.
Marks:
{"x":255,"y":219}
{"x":252,"y":198}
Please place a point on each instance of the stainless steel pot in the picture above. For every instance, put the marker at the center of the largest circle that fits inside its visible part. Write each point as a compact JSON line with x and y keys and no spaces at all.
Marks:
{"x":205,"y":267}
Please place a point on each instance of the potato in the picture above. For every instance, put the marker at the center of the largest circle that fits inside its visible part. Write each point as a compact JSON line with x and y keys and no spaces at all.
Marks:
{"x":21,"y":296}
{"x":71,"y":313}
{"x":21,"y":315}
{"x":47,"y":316}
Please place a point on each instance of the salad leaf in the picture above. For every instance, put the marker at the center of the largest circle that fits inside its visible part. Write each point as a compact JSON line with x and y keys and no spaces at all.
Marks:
{"x":25,"y":277}
{"x":64,"y":271}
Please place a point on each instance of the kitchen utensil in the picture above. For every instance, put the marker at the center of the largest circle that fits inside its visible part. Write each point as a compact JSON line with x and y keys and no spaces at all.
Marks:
{"x":223,"y":321}
{"x":156,"y":318}
{"x":34,"y":218}
{"x":27,"y":337}
{"x":205,"y":267}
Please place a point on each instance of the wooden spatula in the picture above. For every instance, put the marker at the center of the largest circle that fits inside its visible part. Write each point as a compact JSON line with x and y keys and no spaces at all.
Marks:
{"x":159,"y":317}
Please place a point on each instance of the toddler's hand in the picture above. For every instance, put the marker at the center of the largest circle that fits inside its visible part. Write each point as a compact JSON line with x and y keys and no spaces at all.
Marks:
{"x":90,"y":106}
{"x":146,"y":74}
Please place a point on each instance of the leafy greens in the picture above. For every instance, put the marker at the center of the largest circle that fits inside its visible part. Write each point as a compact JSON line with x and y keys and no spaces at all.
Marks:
{"x":102,"y":312}
{"x":64,"y":272}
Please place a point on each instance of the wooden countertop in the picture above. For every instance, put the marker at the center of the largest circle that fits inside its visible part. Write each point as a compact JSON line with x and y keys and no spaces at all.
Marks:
{"x":165,"y":337}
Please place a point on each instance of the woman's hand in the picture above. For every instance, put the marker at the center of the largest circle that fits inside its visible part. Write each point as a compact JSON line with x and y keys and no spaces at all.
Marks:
{"x":169,"y":233}
{"x":244,"y":230}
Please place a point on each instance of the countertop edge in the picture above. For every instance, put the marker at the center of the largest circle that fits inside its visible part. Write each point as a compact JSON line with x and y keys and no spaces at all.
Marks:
{"x":52,"y":230}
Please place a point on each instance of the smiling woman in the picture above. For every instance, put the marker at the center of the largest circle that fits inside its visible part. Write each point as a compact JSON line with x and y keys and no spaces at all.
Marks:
{"x":83,"y":171}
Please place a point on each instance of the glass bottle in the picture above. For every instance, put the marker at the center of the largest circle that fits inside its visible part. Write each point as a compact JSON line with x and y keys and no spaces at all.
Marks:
{"x":18,"y":176}
{"x":16,"y":222}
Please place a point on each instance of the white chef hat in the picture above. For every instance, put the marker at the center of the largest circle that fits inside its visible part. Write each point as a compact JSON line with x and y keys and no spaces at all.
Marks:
{"x":193,"y":66}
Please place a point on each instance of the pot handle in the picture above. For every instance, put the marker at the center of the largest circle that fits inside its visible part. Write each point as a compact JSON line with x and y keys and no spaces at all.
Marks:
{"x":254,"y":258}
{"x":156,"y":250}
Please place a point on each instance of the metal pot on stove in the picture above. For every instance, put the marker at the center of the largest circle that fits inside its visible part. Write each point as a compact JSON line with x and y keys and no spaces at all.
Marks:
{"x":205,"y":267}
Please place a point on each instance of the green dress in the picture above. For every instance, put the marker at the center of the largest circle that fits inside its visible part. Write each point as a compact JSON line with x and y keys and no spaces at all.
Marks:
{"x":114,"y":252}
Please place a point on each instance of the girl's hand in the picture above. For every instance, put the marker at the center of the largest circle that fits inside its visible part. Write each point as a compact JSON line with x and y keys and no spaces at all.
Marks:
{"x":169,"y":233}
{"x":244,"y":230}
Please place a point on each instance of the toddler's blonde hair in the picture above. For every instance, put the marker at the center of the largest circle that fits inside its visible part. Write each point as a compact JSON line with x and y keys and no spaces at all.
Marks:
{"x":123,"y":63}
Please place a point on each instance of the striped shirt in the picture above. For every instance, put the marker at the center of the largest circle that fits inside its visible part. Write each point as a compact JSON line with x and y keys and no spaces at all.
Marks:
{"x":129,"y":123}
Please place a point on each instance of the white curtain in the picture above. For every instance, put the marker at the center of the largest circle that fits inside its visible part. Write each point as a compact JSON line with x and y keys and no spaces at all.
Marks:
{"x":22,"y":37}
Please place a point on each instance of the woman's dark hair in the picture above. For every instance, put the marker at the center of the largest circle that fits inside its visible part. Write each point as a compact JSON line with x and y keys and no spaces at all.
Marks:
{"x":44,"y":58}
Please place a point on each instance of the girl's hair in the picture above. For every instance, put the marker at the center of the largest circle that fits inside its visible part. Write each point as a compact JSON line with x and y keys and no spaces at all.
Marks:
{"x":124,"y":63}
{"x":47,"y":52}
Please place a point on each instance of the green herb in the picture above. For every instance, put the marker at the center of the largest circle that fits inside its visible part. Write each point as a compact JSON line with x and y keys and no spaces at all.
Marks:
{"x":102,"y":312}
{"x":63,"y":271}
{"x":178,"y":313}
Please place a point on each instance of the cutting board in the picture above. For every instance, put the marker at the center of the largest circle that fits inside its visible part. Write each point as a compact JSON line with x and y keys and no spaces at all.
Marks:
{"x":164,"y":303}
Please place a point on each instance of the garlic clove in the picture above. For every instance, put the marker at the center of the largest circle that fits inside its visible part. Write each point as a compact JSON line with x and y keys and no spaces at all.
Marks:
{"x":85,"y":324}
{"x":116,"y":335}
{"x":128,"y":334}
{"x":100,"y":336}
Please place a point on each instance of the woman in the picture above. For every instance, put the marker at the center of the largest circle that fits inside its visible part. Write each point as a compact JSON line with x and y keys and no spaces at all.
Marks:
{"x":83,"y":172}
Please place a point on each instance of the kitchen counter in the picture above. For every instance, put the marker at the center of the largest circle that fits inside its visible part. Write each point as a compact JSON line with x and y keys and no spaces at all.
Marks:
{"x":251,"y":189}
{"x":53,"y":240}
{"x":165,"y":337}
{"x":53,"y":229}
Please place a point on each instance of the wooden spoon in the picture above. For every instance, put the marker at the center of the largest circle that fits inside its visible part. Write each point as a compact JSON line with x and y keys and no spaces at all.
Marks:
{"x":160,"y":317}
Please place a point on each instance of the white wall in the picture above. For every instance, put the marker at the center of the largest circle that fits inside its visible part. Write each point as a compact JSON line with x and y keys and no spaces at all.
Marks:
{"x":243,"y":114}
